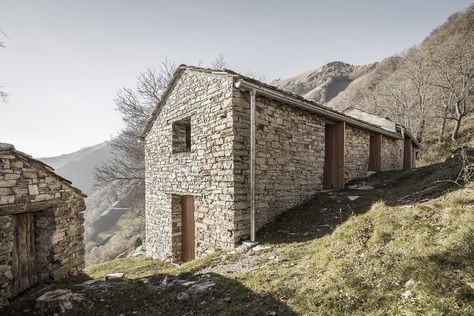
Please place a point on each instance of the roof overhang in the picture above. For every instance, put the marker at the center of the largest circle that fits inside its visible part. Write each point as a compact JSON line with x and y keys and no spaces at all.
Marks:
{"x":263,"y":89}
{"x":312,"y":107}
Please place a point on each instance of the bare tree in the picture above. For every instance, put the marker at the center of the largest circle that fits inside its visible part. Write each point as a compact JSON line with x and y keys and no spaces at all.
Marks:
{"x":3,"y":94}
{"x":219,"y":63}
{"x":454,"y":65}
{"x":444,"y":101}
{"x":409,"y":92}
{"x":135,"y":105}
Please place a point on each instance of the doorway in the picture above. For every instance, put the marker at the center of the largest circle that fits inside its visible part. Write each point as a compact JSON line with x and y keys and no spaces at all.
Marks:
{"x":407,"y":154}
{"x":334,"y":155}
{"x":23,"y":253}
{"x":187,"y":222}
{"x":375,"y":154}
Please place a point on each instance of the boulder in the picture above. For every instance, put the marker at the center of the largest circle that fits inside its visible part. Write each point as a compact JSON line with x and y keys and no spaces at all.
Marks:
{"x":117,"y":276}
{"x":57,"y":301}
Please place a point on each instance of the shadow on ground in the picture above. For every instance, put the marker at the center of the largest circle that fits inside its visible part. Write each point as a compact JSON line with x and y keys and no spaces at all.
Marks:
{"x":158,"y":295}
{"x":328,"y":209}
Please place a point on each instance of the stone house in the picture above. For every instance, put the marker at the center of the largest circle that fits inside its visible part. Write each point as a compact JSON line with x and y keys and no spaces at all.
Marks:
{"x":41,"y":224}
{"x":225,"y":154}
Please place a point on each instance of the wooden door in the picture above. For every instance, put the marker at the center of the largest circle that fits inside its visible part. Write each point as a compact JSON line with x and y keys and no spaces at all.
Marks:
{"x":23,"y":254}
{"x":407,"y":154}
{"x":334,"y":156}
{"x":375,"y":155}
{"x":187,"y":220}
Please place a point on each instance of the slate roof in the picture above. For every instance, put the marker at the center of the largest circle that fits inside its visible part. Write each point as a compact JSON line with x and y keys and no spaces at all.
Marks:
{"x":9,"y":148}
{"x":296,"y":97}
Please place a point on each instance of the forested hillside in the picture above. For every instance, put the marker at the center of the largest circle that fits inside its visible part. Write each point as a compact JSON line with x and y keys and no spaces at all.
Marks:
{"x":428,"y":88}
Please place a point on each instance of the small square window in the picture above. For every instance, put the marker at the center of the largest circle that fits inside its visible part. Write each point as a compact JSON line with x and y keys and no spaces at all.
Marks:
{"x":182,"y":136}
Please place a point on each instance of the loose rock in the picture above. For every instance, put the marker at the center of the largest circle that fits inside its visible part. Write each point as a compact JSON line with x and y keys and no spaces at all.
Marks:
{"x":114,"y":276}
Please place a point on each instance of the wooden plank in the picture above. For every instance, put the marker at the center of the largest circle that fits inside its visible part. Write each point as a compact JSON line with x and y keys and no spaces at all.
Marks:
{"x":187,"y":218}
{"x":334,"y":160}
{"x":24,"y":282}
{"x":407,"y":154}
{"x":329,"y":156}
{"x":375,"y":155}
{"x":19,"y":208}
{"x":32,"y":249}
{"x":340,"y":145}
{"x":14,"y":288}
{"x":23,"y":253}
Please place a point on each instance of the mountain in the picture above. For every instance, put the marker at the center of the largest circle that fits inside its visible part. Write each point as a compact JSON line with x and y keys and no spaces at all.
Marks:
{"x":113,"y":220}
{"x":79,"y":166}
{"x":412,"y":88}
{"x":324,"y":83}
{"x":403,"y":246}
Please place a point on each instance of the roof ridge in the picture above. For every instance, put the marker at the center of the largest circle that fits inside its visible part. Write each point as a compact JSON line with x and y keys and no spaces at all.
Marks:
{"x":41,"y":165}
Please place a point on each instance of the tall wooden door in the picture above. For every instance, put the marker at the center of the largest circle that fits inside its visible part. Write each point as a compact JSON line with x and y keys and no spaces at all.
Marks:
{"x":23,"y":254}
{"x":187,"y":220}
{"x":335,"y":138}
{"x":407,"y":154}
{"x":375,"y":155}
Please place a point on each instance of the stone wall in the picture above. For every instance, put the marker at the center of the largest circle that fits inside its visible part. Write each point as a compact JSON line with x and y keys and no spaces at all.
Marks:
{"x":289,"y":159}
{"x":392,"y":153}
{"x":204,"y":172}
{"x":357,"y":152}
{"x":25,"y":185}
{"x":215,"y":170}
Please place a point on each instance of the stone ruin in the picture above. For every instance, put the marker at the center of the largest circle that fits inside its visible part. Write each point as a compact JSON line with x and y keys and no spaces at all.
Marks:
{"x":41,"y":224}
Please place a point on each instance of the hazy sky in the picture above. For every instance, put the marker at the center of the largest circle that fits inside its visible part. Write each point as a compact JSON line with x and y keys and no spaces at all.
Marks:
{"x":65,"y":60}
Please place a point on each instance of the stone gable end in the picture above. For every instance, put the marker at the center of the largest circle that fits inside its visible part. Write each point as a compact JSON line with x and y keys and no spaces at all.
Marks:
{"x":41,"y":224}
{"x":197,"y":159}
{"x":205,"y":171}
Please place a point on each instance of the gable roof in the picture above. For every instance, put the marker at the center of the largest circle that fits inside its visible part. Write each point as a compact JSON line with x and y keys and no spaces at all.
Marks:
{"x":376,"y":120}
{"x":277,"y":94}
{"x":10,"y":149}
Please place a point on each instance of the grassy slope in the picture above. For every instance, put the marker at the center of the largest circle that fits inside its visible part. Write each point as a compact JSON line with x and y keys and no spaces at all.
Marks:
{"x":330,"y":256}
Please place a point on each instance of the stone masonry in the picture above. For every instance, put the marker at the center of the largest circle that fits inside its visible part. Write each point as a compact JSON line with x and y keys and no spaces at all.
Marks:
{"x":28,"y":186}
{"x":356,"y":153}
{"x":204,"y":172}
{"x":392,"y":154}
{"x":290,"y":154}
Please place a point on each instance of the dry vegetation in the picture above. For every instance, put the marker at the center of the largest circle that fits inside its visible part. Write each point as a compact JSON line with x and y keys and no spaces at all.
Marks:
{"x":429,"y":88}
{"x":405,"y":247}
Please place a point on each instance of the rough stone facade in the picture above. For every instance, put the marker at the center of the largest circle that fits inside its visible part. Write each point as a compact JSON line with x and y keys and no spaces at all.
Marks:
{"x":392,"y":154}
{"x":290,"y":154}
{"x":28,"y":186}
{"x":206,"y":171}
{"x":357,"y":152}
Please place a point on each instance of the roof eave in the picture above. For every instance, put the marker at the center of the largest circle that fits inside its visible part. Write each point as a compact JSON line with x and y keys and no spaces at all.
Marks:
{"x":314,"y":107}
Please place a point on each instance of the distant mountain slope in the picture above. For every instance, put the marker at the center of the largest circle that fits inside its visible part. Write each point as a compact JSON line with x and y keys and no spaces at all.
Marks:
{"x":357,"y":92}
{"x":324,"y":83}
{"x":114,"y":220}
{"x":79,"y":166}
{"x":114,"y":213}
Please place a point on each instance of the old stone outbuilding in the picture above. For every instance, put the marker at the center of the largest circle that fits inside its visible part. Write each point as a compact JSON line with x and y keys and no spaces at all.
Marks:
{"x":41,"y":224}
{"x":225,"y":154}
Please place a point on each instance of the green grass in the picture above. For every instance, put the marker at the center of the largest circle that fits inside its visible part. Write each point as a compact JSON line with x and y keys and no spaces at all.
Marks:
{"x":391,"y":260}
{"x":380,"y":255}
{"x":364,"y":265}
{"x":133,"y":268}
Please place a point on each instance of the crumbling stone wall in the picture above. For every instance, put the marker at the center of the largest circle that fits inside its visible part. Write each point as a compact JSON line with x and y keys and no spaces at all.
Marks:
{"x":289,"y":159}
{"x":28,"y":185}
{"x":357,"y":151}
{"x":204,"y":172}
{"x":392,"y":153}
